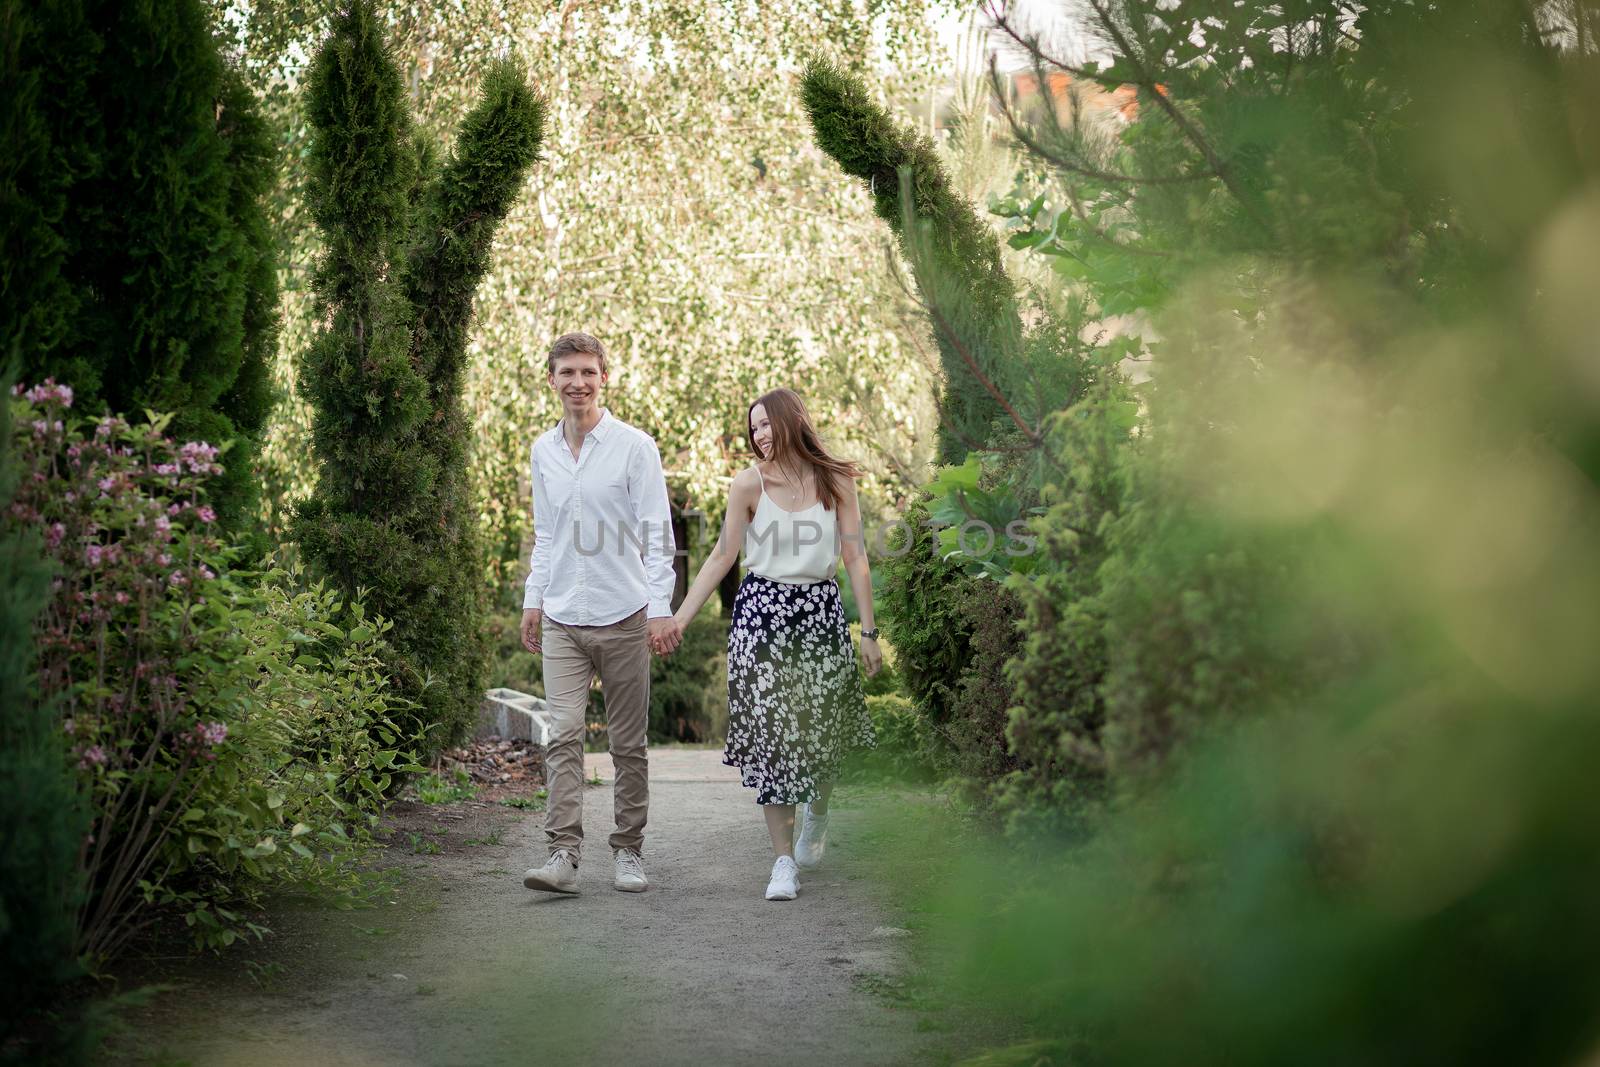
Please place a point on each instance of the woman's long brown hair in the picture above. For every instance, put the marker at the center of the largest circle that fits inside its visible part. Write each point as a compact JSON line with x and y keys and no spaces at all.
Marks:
{"x":796,"y":443}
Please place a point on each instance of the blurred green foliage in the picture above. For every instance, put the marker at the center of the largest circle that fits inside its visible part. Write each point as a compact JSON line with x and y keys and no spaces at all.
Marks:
{"x":1307,"y":668}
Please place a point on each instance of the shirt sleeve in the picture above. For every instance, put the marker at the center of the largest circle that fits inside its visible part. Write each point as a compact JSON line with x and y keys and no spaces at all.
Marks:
{"x":647,"y":488}
{"x":543,"y":531}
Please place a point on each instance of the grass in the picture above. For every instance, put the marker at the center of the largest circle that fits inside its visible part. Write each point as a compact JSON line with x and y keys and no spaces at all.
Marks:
{"x":533,"y":803}
{"x":421,"y":846}
{"x":437,"y":789}
{"x":264,"y":975}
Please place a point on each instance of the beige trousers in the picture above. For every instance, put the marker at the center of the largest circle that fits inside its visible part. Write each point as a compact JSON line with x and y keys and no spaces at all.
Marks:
{"x":620,"y":654}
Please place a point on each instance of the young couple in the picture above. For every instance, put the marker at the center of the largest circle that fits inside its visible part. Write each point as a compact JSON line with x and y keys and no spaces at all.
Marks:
{"x":599,"y":601}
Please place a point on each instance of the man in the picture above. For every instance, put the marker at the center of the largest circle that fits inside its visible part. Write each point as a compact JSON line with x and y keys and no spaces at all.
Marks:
{"x":599,"y":599}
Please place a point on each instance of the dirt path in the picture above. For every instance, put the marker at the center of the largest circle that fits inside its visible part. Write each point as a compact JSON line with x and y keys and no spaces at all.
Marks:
{"x":465,"y":966}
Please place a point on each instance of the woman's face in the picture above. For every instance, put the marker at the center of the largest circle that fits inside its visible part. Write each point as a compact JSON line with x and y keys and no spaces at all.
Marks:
{"x":761,"y":430}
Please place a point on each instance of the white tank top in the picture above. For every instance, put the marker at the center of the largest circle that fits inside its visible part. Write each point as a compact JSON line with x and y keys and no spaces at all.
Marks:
{"x":791,"y":546}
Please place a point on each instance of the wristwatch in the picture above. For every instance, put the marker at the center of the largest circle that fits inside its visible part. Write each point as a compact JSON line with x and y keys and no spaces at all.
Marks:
{"x":871,"y":634}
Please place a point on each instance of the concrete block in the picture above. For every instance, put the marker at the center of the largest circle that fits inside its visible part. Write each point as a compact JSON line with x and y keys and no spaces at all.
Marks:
{"x":512,"y":714}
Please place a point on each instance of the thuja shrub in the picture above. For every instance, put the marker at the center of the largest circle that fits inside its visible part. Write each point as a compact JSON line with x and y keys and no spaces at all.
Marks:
{"x":42,"y":820}
{"x":228,"y":735}
{"x":923,"y":616}
{"x":406,"y":239}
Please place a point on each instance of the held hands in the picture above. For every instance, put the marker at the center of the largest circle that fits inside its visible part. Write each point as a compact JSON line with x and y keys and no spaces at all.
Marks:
{"x":532,"y":631}
{"x":871,"y":656}
{"x":665,"y":635}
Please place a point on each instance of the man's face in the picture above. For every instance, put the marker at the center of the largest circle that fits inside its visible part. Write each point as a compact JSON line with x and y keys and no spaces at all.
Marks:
{"x":577,"y":380}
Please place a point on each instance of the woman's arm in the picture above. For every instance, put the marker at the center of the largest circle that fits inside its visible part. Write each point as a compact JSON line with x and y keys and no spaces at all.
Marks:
{"x":854,"y":549}
{"x":742,"y":497}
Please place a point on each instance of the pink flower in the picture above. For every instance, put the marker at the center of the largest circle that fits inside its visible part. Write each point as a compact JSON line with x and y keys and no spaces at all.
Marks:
{"x":121,"y":597}
{"x":163,"y":524}
{"x":93,"y":755}
{"x":176,"y":578}
{"x":173,"y":509}
{"x":92,"y":555}
{"x":198,"y":455}
{"x":212,"y":733}
{"x":206,"y":572}
{"x":50,"y":392}
{"x":205,"y":513}
{"x":54,"y":534}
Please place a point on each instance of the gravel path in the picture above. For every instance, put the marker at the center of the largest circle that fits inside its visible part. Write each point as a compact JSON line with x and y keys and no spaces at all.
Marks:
{"x":465,"y":966}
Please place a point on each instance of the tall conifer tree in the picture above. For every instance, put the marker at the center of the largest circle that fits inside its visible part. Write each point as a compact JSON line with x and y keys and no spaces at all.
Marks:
{"x":406,"y":244}
{"x":953,"y":254}
{"x":139,"y":264}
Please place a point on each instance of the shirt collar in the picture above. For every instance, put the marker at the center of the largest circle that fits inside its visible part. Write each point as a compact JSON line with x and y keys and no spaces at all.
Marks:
{"x":598,"y":431}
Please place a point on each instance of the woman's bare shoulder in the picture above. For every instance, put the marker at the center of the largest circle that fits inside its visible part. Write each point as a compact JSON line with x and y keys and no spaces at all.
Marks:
{"x":843,"y":484}
{"x":746,"y":483}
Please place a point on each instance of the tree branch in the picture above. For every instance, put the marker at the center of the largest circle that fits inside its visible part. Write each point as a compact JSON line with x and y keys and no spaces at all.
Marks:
{"x":1185,"y":126}
{"x":1034,"y":145}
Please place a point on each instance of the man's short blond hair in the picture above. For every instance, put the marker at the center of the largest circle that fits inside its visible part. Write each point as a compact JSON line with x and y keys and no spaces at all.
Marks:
{"x":576,"y":344}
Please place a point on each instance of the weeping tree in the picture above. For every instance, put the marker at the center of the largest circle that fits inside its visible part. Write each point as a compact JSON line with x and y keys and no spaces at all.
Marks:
{"x":406,"y":241}
{"x":139,"y":262}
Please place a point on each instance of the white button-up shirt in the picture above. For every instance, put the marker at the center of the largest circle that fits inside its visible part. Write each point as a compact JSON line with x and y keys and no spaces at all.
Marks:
{"x":602,"y":530}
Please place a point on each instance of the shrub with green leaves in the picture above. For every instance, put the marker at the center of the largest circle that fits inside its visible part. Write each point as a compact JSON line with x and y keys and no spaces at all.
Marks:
{"x":232,"y":733}
{"x":909,"y":749}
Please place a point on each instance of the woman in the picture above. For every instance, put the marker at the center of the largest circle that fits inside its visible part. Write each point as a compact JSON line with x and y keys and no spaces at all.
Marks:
{"x":794,"y":696}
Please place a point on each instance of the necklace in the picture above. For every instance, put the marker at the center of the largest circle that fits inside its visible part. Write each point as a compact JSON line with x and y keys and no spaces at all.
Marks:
{"x":795,"y":485}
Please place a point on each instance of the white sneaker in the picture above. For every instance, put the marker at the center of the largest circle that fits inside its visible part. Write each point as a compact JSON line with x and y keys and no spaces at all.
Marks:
{"x":630,"y":872}
{"x":558,"y":875}
{"x":785,"y":883}
{"x":813,"y":840}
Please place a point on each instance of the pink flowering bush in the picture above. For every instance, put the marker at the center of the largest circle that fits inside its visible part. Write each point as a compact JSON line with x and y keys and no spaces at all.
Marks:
{"x":231,"y":737}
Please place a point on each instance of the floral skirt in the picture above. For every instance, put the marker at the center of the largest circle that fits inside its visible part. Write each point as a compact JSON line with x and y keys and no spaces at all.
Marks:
{"x":795,"y":708}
